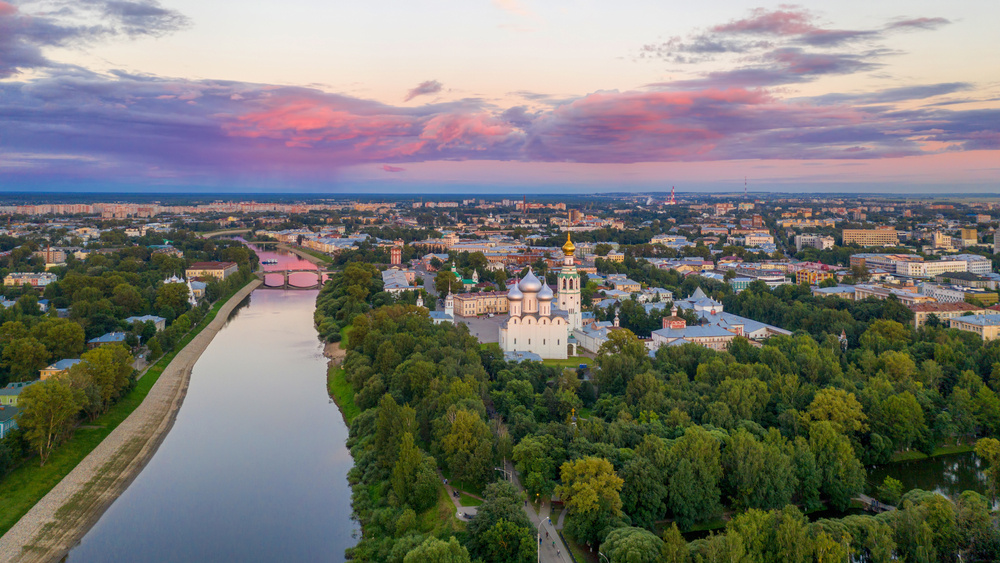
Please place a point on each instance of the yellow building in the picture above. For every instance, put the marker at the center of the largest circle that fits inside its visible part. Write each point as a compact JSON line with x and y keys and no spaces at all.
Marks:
{"x":474,"y":304}
{"x":882,"y":236}
{"x":813,"y":276}
{"x":986,"y":326}
{"x":218,"y":270}
{"x":616,"y":256}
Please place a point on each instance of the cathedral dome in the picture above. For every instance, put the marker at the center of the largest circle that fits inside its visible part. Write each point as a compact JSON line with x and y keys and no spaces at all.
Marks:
{"x":569,"y":248}
{"x":515,"y":294}
{"x":530,"y":284}
{"x":546,"y":293}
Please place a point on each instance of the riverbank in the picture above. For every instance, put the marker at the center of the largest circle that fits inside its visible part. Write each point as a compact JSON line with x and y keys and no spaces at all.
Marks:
{"x":57,"y":522}
{"x":316,"y":258}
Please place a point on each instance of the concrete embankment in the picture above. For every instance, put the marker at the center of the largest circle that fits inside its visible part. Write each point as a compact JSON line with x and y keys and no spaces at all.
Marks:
{"x":57,"y":522}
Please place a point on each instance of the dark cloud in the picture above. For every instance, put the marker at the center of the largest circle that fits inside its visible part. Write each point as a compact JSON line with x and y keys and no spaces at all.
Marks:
{"x":424,"y":89}
{"x":24,"y":36}
{"x":142,"y":18}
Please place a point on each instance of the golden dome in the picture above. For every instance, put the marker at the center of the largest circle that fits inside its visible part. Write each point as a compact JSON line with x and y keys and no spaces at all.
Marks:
{"x":568,"y":248}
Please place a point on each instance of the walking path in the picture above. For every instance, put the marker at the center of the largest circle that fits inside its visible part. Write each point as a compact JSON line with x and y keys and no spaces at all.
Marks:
{"x":552,"y":549}
{"x":57,"y":522}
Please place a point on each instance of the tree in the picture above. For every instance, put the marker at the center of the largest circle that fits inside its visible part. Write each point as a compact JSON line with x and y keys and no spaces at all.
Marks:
{"x":620,"y":358}
{"x":62,"y":338}
{"x":838,"y":407}
{"x":445,"y":282}
{"x":24,"y":357}
{"x":506,"y":542}
{"x":536,"y":460}
{"x":645,"y":492}
{"x":468,"y":447}
{"x":675,"y":549}
{"x":128,"y":298}
{"x":694,"y":469}
{"x":434,"y":550}
{"x":48,"y":411}
{"x":172,"y":296}
{"x":989,"y":450}
{"x":590,"y":488}
{"x":502,"y":503}
{"x":110,"y":368}
{"x":842,"y":473}
{"x":633,"y":545}
{"x":404,"y":473}
{"x":757,"y":475}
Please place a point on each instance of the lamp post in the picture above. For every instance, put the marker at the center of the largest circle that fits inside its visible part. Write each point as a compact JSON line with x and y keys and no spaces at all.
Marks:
{"x":605,"y":557}
{"x":539,"y":530}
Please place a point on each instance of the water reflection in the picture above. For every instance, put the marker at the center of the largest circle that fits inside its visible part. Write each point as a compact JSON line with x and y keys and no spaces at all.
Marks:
{"x":255,"y":467}
{"x":949,"y":475}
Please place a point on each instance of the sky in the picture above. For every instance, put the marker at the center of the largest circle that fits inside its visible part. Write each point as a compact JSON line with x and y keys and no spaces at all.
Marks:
{"x":499,"y":96}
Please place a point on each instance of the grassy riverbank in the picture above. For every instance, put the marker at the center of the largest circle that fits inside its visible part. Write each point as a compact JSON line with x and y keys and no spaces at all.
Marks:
{"x":27,"y":484}
{"x":343,"y":395}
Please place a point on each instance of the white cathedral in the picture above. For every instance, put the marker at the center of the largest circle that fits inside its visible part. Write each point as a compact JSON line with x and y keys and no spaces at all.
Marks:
{"x":533,"y":325}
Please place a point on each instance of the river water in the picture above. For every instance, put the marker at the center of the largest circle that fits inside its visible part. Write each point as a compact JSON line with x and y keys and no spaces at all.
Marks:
{"x":255,"y":467}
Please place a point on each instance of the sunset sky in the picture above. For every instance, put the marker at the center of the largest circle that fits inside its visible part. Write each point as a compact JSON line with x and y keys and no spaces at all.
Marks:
{"x":501,"y":96}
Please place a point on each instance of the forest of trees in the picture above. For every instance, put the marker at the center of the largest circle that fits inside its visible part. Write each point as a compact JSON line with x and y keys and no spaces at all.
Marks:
{"x":99,"y":293}
{"x":755,"y":435}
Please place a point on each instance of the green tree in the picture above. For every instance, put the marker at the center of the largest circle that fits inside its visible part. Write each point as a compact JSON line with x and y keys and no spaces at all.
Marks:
{"x":48,"y":411}
{"x":128,"y":298}
{"x":633,"y":545}
{"x":506,"y":542}
{"x":695,"y":470}
{"x":434,"y":550}
{"x":110,"y":368}
{"x":675,"y":549}
{"x":63,"y":339}
{"x":843,"y":475}
{"x":468,"y":447}
{"x":173,"y":296}
{"x":757,"y":475}
{"x":502,"y":503}
{"x":24,"y":357}
{"x":620,"y":358}
{"x":590,"y":488}
{"x":989,"y":450}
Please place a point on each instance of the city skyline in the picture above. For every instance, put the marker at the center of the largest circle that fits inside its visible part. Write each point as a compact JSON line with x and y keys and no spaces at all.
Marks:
{"x":497,"y":97}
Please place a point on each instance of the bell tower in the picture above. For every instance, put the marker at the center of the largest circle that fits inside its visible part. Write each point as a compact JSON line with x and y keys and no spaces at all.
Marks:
{"x":568,"y":283}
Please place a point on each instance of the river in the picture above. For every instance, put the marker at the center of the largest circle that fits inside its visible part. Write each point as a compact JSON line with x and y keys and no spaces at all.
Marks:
{"x":255,"y":467}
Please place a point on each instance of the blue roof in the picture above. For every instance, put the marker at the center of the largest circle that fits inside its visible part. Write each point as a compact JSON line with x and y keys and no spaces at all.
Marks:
{"x":145,"y":318}
{"x":16,"y":387}
{"x":981,"y":320}
{"x":108,"y":338}
{"x":64,"y":364}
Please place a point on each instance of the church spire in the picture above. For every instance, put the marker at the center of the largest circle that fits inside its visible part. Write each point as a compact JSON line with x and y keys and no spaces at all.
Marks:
{"x":569,"y":248}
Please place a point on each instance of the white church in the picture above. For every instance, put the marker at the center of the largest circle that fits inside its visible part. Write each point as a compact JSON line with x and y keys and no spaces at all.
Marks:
{"x":533,"y":325}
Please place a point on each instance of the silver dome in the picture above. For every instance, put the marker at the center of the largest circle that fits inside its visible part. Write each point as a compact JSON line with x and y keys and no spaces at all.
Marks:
{"x":546,"y":293}
{"x":530,"y":284}
{"x":515,"y":294}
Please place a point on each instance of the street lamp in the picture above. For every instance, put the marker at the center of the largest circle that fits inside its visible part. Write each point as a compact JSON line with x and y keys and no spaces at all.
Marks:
{"x":604,"y":556}
{"x":539,"y":530}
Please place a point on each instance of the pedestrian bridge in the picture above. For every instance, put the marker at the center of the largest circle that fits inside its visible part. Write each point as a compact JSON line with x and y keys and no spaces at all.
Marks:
{"x":318,"y":277}
{"x":873,"y":505}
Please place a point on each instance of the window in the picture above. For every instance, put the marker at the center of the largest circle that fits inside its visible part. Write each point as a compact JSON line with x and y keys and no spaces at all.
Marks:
{"x":543,"y":342}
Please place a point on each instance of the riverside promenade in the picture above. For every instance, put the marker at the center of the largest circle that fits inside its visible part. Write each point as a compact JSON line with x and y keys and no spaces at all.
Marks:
{"x":62,"y":517}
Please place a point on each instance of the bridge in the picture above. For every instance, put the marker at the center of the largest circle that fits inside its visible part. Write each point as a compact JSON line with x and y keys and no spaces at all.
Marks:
{"x":320,"y":278}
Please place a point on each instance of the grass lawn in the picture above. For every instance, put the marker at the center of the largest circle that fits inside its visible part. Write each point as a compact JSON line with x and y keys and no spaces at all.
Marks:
{"x":345,"y":333}
{"x":580,"y":553}
{"x":461,"y":485}
{"x":29,"y":482}
{"x":342,"y":393}
{"x":586,"y":413}
{"x":440,"y":520}
{"x":466,"y":500}
{"x":568,"y":362}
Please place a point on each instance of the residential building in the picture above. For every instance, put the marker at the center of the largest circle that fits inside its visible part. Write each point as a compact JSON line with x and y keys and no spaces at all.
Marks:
{"x":814,"y":241}
{"x":986,"y":326}
{"x":475,"y":304}
{"x":29,"y":278}
{"x":881,"y":236}
{"x":217,"y":270}
{"x":109,"y":338}
{"x":8,"y":420}
{"x":57,"y":368}
{"x":10,"y":393}
{"x":943,"y":311}
{"x":956,"y":293}
{"x":975,"y":263}
{"x":905,"y":296}
{"x":159,"y":322}
{"x":929,"y":268}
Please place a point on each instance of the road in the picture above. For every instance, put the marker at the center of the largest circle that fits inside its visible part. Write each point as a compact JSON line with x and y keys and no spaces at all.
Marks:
{"x":552,"y":550}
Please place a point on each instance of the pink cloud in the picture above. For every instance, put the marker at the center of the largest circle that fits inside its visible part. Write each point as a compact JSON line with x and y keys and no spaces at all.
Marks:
{"x":777,"y":22}
{"x":389,"y":168}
